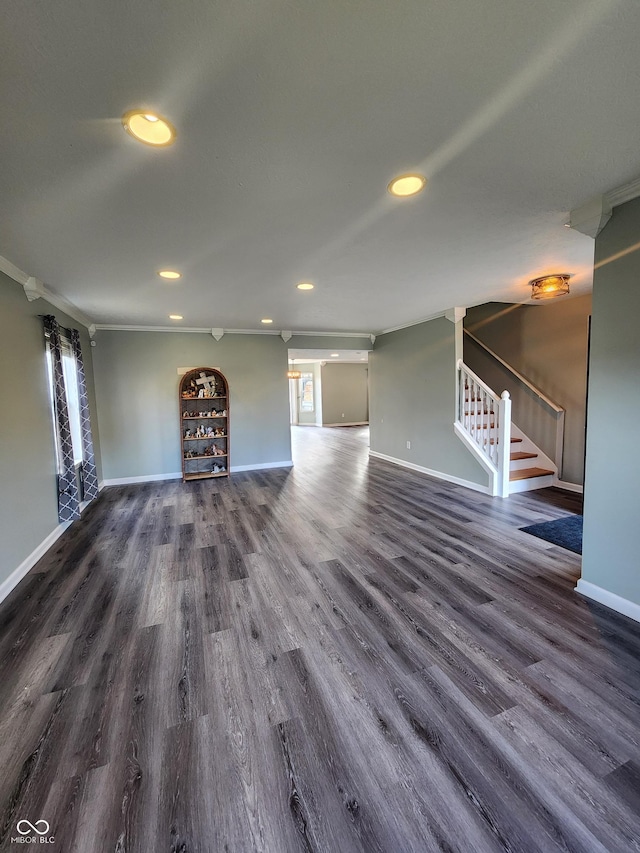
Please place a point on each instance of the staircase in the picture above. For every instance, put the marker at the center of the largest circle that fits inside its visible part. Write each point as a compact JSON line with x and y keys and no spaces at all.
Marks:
{"x":484,"y":424}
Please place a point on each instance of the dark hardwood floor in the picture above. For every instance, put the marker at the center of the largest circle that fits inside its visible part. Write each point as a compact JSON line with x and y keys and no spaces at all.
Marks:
{"x":347,"y":656}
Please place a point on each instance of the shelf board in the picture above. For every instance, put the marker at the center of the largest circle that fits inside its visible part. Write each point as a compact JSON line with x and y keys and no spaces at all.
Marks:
{"x":203,"y":475}
{"x":203,"y":417}
{"x":204,"y":437}
{"x":193,"y":458}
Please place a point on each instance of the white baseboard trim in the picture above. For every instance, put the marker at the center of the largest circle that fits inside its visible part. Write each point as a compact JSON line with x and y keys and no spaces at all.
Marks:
{"x":261,"y":466}
{"x":29,"y":562}
{"x":609,"y":599}
{"x":569,"y":487}
{"x":350,"y":423}
{"x":141,"y":478}
{"x":440,"y":475}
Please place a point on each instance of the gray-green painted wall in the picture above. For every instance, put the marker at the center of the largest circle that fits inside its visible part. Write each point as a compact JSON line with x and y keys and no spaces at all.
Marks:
{"x":137,"y":382}
{"x":610,"y":547}
{"x":345,"y":394}
{"x":28,"y":494}
{"x":547,"y":343}
{"x":412,"y":398}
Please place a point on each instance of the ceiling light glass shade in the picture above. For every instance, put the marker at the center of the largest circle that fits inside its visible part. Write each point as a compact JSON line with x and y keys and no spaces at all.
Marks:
{"x":305,"y":285}
{"x":407,"y":185}
{"x":149,"y":128}
{"x":293,"y":374}
{"x":169,"y":274}
{"x":549,"y":286}
{"x":266,"y":321}
{"x":175,"y":317}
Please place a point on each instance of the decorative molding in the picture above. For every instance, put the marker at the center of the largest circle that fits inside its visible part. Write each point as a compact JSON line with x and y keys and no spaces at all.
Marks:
{"x":92,"y":331}
{"x":261,"y":466}
{"x":197,"y":330}
{"x":29,"y":562}
{"x":412,"y":323}
{"x":13,"y":271}
{"x":218,"y":334}
{"x":624,"y":193}
{"x":372,"y":338}
{"x":141,"y":478}
{"x":286,"y":336}
{"x":33,"y":289}
{"x":591,"y":217}
{"x":609,"y":599}
{"x":439,"y":475}
{"x":454,"y":315}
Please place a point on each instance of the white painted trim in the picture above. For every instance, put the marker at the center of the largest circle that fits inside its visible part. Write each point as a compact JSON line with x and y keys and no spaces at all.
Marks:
{"x":197,"y":330}
{"x":440,"y":475}
{"x":624,"y":193}
{"x":412,"y":323}
{"x":13,"y":271}
{"x":44,"y":292}
{"x":261,"y":466}
{"x":348,"y":423}
{"x":29,"y":562}
{"x":609,"y":599}
{"x":569,"y":487}
{"x":487,"y":464}
{"x":531,"y":484}
{"x":140,"y":478}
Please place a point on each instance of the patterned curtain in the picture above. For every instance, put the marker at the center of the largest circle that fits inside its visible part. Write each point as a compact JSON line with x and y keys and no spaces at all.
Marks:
{"x":89,"y":476}
{"x":68,"y":502}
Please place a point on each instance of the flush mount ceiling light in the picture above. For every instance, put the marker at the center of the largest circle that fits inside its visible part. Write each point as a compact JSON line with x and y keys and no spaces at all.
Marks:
{"x":176,"y":317}
{"x":407,"y":185}
{"x":549,"y":286}
{"x":149,"y":128}
{"x":266,"y":321}
{"x":171,"y":275}
{"x":305,"y":285}
{"x":335,"y":355}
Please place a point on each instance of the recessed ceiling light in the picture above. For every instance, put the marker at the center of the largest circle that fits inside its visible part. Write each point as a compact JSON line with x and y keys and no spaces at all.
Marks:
{"x":176,"y":317}
{"x":169,"y":274}
{"x":305,"y":285}
{"x":266,"y":321}
{"x":149,"y":128}
{"x":335,"y":355}
{"x":406,"y":185}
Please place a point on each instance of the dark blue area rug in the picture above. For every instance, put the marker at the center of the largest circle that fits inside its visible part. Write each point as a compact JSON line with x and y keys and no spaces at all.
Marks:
{"x":566,"y":532}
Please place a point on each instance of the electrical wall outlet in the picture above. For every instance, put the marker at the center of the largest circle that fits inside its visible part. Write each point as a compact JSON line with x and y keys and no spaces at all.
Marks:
{"x":408,"y":445}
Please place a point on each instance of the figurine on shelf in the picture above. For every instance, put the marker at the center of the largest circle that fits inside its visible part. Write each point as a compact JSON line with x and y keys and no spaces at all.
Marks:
{"x":224,"y":413}
{"x":210,"y":432}
{"x":218,"y":469}
{"x":188,"y":434}
{"x":219,"y":433}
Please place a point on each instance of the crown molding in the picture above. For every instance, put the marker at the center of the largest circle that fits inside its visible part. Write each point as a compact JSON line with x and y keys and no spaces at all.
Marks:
{"x":36,"y":289}
{"x":623,"y":193}
{"x":413,"y":323}
{"x":197,"y":330}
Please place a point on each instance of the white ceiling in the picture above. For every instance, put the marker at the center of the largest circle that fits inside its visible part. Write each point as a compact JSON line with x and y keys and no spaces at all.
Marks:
{"x":292,"y":117}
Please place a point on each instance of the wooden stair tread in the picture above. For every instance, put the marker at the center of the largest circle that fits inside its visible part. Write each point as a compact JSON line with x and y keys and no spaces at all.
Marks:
{"x":520,"y":454}
{"x":513,"y":440}
{"x":528,"y":473}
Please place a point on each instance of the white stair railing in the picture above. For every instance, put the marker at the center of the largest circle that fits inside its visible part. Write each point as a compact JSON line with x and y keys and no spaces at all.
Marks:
{"x":483,"y":421}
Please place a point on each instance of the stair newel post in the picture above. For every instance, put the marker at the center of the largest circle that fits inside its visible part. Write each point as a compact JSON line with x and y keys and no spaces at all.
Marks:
{"x":504,"y":443}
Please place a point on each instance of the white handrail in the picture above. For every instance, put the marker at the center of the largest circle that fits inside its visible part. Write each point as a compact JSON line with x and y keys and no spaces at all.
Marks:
{"x":483,"y":421}
{"x":555,"y":407}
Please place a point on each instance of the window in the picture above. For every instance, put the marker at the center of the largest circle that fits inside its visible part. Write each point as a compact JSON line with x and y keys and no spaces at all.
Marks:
{"x":70,"y":374}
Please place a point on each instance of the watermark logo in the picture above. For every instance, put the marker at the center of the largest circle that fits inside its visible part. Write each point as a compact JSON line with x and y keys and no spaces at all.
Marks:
{"x":33,"y":833}
{"x":24,"y":827}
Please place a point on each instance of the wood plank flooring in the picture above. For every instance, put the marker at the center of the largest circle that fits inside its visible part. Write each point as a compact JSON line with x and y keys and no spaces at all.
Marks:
{"x":347,"y":656}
